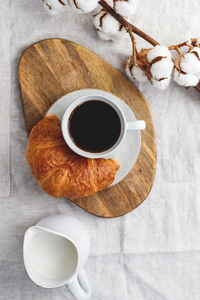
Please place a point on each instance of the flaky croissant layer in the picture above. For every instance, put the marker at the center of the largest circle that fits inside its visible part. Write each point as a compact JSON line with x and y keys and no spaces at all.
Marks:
{"x":59,"y":171}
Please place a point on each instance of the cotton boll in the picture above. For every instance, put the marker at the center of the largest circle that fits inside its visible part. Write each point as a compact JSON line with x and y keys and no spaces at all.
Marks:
{"x":185,"y":79}
{"x":107,"y":27}
{"x":83,"y":6}
{"x":157,"y":51}
{"x":105,"y":23}
{"x":54,"y":7}
{"x":162,"y":69}
{"x":161,"y":84}
{"x":190,"y":63}
{"x":134,"y":72}
{"x":138,"y":74}
{"x":125,"y":8}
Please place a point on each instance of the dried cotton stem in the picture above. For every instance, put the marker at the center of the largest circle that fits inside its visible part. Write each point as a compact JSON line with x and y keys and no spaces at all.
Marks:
{"x":132,"y":28}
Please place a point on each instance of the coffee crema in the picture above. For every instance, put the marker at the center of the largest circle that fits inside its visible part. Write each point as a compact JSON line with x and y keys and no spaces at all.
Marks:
{"x":94,"y":126}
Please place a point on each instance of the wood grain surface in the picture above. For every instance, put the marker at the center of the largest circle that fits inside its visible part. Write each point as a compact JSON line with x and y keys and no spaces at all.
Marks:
{"x":51,"y":68}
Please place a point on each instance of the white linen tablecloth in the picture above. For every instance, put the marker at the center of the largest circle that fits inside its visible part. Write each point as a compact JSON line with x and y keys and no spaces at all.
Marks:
{"x":5,"y":94}
{"x":153,"y":253}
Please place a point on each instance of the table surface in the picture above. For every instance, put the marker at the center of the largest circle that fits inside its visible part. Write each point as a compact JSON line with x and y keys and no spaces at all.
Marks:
{"x":153,"y":253}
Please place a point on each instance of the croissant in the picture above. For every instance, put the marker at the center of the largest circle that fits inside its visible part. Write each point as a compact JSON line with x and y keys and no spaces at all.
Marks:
{"x":59,"y":171}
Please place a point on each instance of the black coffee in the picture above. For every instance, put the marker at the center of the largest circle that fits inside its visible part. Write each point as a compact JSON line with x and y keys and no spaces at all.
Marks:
{"x":94,"y":126}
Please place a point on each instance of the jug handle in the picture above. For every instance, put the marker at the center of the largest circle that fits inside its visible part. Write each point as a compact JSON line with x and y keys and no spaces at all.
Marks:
{"x":80,"y":287}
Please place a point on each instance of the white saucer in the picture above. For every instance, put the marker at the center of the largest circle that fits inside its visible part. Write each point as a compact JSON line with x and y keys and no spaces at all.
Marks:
{"x":128,"y":151}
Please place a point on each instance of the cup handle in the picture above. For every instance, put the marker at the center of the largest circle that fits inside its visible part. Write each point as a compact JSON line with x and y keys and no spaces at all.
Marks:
{"x":136,"y":125}
{"x":80,"y":287}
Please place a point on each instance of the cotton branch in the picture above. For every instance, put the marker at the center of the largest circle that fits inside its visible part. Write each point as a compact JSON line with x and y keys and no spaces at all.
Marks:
{"x":132,"y":28}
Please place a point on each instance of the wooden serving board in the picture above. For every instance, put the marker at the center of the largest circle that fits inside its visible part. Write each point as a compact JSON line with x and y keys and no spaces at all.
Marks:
{"x":51,"y":68}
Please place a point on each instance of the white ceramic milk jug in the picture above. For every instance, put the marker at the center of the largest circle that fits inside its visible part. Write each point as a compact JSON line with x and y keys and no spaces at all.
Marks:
{"x":55,"y":251}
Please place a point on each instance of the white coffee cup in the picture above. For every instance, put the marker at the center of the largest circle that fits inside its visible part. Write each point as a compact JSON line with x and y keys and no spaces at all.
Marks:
{"x":133,"y":125}
{"x":55,"y":251}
